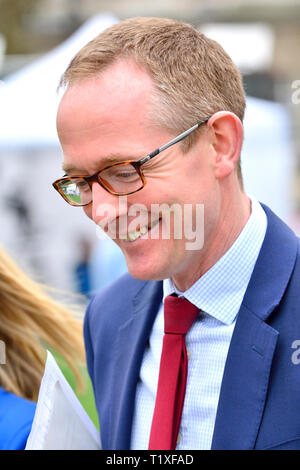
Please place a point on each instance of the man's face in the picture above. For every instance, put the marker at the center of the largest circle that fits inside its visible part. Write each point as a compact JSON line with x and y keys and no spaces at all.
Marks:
{"x":104,"y":120}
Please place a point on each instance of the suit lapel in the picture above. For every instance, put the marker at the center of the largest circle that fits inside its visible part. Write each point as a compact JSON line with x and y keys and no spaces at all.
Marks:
{"x":248,"y":365}
{"x":129,"y":348}
{"x":245,"y":383}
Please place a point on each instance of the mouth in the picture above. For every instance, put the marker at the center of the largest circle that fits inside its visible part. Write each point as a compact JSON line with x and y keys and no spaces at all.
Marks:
{"x":139,"y":233}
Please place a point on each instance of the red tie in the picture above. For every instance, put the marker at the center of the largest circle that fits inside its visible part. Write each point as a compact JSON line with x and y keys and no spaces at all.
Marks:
{"x":179,"y":316}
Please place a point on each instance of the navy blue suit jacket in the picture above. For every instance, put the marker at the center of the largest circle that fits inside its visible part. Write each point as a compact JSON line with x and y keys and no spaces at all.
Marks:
{"x":259,"y":404}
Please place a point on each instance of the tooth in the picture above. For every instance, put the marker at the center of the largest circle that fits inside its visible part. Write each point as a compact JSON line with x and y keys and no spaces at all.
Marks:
{"x":131,"y":236}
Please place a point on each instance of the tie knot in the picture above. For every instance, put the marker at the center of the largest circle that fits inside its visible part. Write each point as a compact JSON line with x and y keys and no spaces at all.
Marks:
{"x":179,"y":314}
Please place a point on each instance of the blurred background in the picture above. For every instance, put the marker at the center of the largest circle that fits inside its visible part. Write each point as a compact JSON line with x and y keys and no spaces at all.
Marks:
{"x":57,"y":244}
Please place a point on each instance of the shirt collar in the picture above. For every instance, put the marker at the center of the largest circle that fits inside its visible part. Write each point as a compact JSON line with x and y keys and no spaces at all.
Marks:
{"x":220,"y":291}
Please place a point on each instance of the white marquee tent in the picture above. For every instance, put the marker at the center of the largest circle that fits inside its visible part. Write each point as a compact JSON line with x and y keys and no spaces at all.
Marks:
{"x":37,"y":226}
{"x":41,"y":229}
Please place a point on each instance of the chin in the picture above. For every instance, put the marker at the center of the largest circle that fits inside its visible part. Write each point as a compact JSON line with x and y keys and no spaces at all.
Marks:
{"x":153,"y":261}
{"x":144,"y":273}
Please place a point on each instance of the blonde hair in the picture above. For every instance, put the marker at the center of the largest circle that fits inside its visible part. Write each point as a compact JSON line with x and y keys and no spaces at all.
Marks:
{"x":193,"y":77}
{"x":30,"y":320}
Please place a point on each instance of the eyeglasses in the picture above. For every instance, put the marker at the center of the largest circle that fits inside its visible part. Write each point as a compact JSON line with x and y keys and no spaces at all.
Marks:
{"x":120,"y":179}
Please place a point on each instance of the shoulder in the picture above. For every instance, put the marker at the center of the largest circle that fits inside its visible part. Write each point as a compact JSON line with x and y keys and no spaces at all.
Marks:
{"x":124,"y":286}
{"x":116,"y":297}
{"x":294,"y":284}
{"x":277,"y":274}
{"x":16,"y":416}
{"x":113,"y":306}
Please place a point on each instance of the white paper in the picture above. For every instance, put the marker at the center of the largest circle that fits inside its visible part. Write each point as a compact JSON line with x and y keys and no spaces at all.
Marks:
{"x":60,"y":421}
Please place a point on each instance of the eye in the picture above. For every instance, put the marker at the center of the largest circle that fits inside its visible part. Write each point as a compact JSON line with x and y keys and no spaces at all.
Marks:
{"x":83,"y":186}
{"x":120,"y":173}
{"x":125,"y":174}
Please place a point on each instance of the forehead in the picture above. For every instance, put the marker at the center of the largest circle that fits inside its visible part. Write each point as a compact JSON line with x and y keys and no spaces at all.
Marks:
{"x":106,"y":115}
{"x":119,"y":93}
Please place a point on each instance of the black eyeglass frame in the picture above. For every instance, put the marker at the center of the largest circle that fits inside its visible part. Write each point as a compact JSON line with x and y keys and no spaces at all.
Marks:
{"x":135,"y":163}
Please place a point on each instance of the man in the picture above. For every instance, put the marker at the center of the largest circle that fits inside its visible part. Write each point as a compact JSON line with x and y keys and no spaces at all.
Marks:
{"x":129,"y":92}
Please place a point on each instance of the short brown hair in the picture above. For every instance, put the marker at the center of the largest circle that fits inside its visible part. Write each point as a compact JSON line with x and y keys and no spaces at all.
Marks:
{"x":193,"y":77}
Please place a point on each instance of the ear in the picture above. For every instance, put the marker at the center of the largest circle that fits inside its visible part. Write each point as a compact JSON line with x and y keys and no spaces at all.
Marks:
{"x":226,"y":141}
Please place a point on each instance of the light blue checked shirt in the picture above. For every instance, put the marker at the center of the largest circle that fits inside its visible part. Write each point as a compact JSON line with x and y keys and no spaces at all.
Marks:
{"x":218,"y":294}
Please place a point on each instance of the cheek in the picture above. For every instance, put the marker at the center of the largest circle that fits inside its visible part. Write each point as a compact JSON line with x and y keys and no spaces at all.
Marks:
{"x":88,"y":211}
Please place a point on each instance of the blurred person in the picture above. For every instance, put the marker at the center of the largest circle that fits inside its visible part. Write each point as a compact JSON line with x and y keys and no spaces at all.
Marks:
{"x":107,"y":263}
{"x":30,"y":321}
{"x":195,"y":347}
{"x":82,"y":268}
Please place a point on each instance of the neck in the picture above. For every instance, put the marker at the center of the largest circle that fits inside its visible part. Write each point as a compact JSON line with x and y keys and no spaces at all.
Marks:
{"x":233,"y":215}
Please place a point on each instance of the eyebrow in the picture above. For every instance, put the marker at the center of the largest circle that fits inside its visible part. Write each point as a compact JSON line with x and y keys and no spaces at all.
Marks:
{"x":108,"y":160}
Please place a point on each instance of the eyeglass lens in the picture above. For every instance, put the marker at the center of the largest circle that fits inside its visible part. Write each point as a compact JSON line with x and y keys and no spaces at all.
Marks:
{"x":121,"y":179}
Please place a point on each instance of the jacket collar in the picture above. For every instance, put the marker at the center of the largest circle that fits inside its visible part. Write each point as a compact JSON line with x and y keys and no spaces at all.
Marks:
{"x":273,"y":268}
